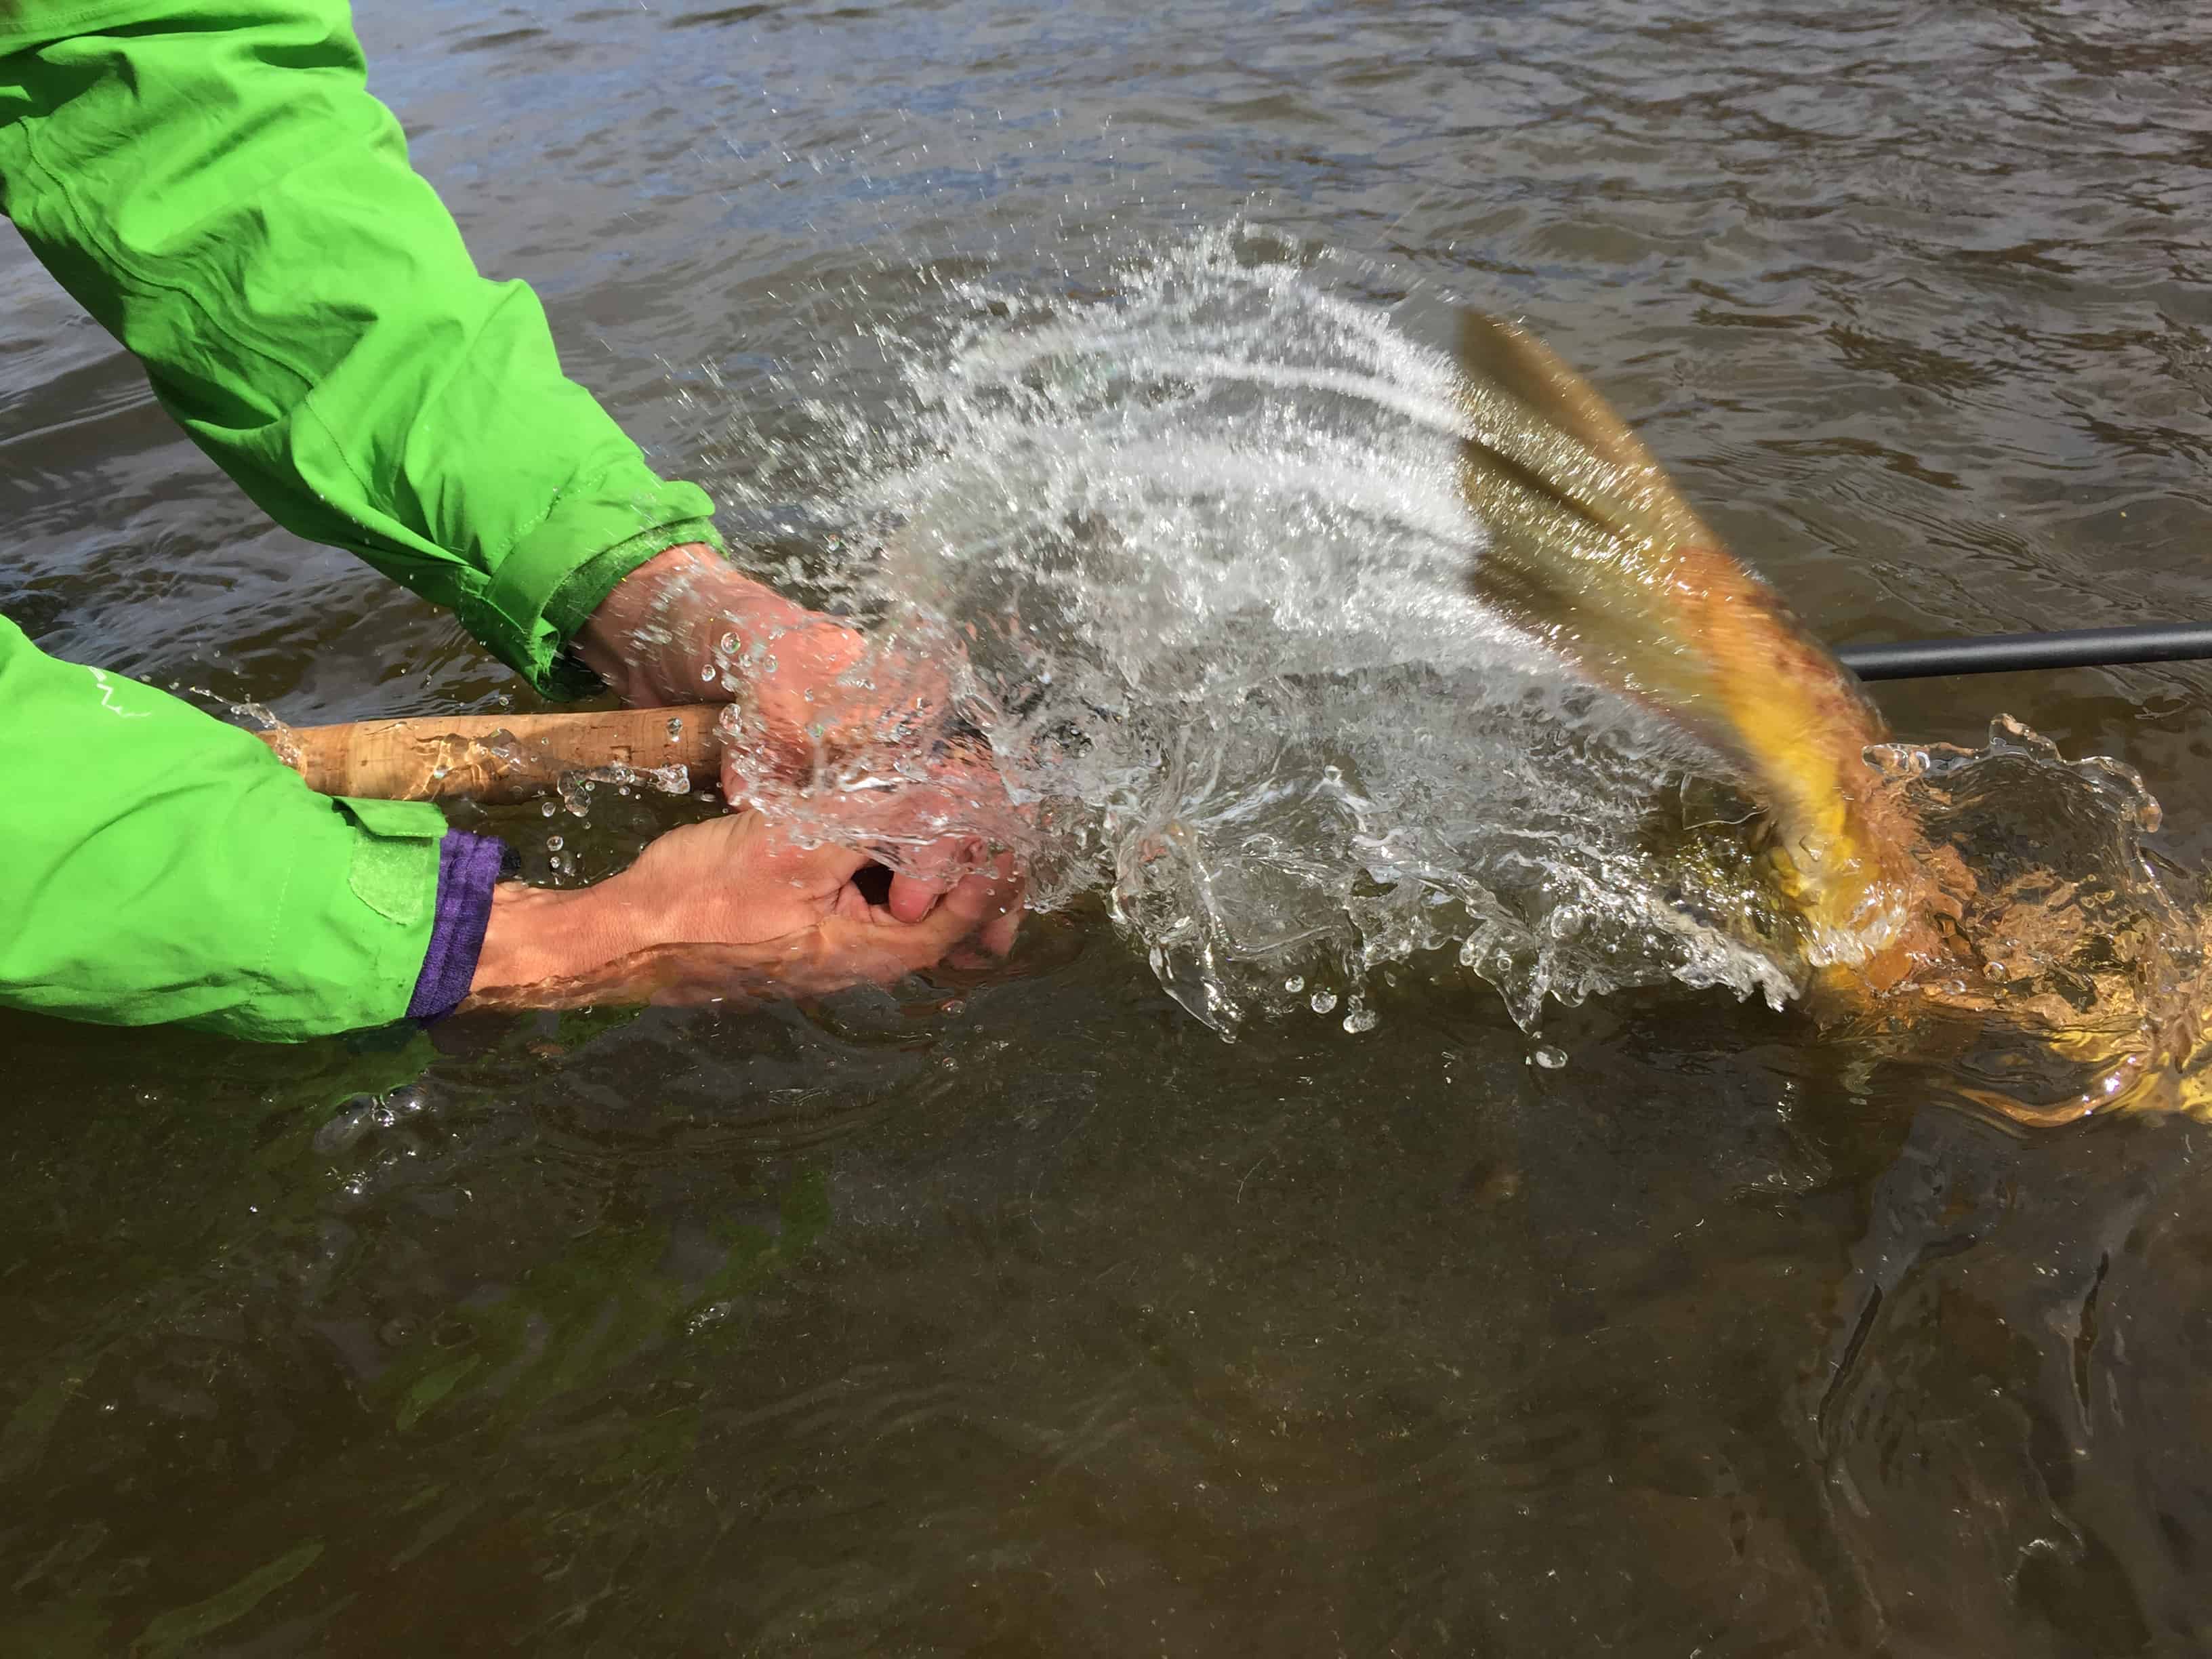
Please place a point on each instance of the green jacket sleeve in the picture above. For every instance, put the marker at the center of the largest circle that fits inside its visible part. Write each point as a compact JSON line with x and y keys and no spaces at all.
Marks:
{"x":215,"y":184}
{"x":163,"y":867}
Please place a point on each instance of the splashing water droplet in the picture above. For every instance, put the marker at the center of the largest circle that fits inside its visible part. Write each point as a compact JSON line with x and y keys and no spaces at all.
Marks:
{"x":1191,"y":562}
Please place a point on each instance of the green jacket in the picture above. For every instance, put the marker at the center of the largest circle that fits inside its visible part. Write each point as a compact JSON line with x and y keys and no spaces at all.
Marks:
{"x":215,"y":185}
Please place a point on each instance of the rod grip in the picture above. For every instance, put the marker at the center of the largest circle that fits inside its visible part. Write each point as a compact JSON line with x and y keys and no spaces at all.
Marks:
{"x":496,"y":758}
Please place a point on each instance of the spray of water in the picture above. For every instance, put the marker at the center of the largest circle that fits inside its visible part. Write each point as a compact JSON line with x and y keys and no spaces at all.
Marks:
{"x":1196,"y":553}
{"x":2080,"y":979}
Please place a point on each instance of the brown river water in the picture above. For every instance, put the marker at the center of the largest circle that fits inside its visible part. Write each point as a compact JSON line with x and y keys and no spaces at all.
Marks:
{"x":1023,"y":1313}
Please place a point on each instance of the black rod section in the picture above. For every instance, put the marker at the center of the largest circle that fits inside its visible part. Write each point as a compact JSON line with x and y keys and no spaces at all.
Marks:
{"x":2000,"y":653}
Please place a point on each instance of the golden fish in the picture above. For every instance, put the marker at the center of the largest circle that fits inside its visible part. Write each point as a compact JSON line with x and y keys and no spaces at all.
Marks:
{"x":1593,"y":550}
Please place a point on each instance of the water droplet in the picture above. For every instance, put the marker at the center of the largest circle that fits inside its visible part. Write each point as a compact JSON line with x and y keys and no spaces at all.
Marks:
{"x":1323,"y":1001}
{"x":1549,"y":1058}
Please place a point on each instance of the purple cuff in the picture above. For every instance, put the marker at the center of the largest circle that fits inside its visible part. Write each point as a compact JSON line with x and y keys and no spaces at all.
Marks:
{"x":468,"y":867}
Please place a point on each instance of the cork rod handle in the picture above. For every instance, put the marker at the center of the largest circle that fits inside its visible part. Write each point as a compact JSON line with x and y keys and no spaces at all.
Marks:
{"x":496,"y":758}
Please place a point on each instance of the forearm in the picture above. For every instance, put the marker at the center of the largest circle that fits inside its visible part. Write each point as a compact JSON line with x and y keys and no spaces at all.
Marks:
{"x":574,"y":947}
{"x":219,"y":189}
{"x":537,"y":935}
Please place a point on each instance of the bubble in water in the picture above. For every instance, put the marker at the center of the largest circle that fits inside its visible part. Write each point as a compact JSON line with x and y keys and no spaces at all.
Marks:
{"x":1549,"y":1058}
{"x":1295,"y":983}
{"x":554,"y":843}
{"x":1323,"y":1001}
{"x":1360,"y":1017}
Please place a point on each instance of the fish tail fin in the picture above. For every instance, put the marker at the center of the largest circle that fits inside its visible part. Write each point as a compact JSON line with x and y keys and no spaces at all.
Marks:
{"x":1593,"y":549}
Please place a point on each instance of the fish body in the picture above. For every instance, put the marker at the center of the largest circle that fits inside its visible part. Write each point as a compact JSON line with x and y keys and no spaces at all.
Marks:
{"x":2010,"y":939}
{"x":1593,"y":549}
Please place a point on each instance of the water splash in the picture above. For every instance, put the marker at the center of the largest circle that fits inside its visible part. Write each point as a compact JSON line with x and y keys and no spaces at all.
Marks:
{"x":2081,"y":973}
{"x":254,"y":715}
{"x":1205,"y":547}
{"x":576,"y":788}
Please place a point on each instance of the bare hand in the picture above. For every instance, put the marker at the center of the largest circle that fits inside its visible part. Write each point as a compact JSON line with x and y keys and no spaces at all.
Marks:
{"x":686,"y":628}
{"x":730,"y":907}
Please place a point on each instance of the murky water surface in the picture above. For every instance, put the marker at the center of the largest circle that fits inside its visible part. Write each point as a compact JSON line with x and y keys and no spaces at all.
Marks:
{"x":1024,"y":1312}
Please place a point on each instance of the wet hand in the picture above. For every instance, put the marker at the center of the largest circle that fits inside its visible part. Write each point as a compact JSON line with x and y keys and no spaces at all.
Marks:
{"x":731,"y":908}
{"x":811,"y":695}
{"x":686,"y":627}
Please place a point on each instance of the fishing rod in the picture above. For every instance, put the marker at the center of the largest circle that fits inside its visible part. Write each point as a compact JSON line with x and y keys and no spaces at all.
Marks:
{"x":2002,"y":653}
{"x":504,"y":758}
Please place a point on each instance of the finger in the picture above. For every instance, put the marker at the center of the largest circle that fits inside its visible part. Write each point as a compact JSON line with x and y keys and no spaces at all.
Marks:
{"x":913,"y":897}
{"x":998,"y":936}
{"x":1002,"y":920}
{"x":925,"y":874}
{"x":984,"y":905}
{"x":817,"y":869}
{"x":972,"y":905}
